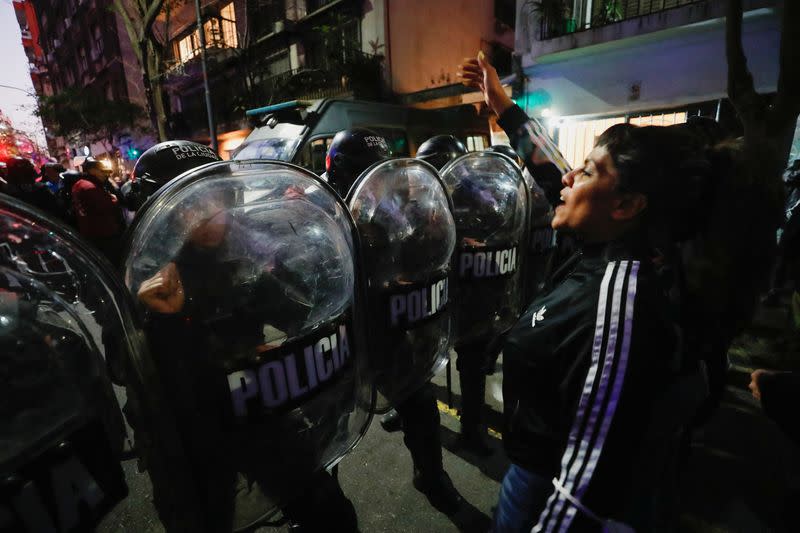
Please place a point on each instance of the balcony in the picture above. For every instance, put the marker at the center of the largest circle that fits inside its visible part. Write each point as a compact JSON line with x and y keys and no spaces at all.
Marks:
{"x":612,"y":12}
{"x":347,"y":72}
{"x":544,"y":28}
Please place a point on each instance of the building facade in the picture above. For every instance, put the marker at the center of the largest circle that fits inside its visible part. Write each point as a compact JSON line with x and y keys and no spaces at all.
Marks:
{"x":429,"y":39}
{"x":261,"y":52}
{"x":85,"y":46}
{"x":594,"y":63}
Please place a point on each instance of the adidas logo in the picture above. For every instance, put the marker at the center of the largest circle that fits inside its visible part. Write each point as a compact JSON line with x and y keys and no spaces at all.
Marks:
{"x":538,"y":316}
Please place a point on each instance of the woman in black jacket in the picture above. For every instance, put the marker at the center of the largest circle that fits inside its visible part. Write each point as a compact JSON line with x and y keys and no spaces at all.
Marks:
{"x":595,"y":371}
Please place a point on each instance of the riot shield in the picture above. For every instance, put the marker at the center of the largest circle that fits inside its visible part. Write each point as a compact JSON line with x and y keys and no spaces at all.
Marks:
{"x":490,"y":202}
{"x":408,"y":236}
{"x":245,"y":276}
{"x":540,"y":251}
{"x":63,"y":324}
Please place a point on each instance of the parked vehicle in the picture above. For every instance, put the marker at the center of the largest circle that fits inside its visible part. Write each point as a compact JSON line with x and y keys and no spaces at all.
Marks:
{"x":301,"y":131}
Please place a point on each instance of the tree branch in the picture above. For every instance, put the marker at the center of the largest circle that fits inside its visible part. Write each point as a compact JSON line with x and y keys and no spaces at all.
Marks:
{"x":150,"y":16}
{"x":740,"y":82}
{"x":119,"y":7}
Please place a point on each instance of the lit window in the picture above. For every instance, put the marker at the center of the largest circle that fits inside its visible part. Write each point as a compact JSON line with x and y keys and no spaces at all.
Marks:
{"x":188,"y":47}
{"x":213,"y":33}
{"x":219,"y":33}
{"x":475,"y":143}
{"x":228,"y":16}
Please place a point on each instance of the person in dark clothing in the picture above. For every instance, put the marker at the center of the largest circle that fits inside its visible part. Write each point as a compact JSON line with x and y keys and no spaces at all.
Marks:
{"x":206,"y":308}
{"x":599,"y":382}
{"x":97,"y":209}
{"x":68,"y":180}
{"x":351,"y":153}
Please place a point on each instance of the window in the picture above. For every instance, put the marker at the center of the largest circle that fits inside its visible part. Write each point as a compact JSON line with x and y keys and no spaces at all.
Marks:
{"x":278,"y":63}
{"x":188,"y":47}
{"x":228,"y":17}
{"x":219,"y":33}
{"x":577,"y":138}
{"x":476,"y":143}
{"x":313,"y":154}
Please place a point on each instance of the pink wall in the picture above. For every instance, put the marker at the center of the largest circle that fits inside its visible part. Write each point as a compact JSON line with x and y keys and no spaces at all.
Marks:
{"x":429,"y":38}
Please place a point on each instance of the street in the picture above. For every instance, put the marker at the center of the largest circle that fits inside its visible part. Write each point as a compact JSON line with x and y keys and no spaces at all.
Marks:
{"x":742,"y":476}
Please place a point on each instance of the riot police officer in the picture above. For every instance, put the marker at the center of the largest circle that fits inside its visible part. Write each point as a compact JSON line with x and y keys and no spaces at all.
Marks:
{"x":440,"y":150}
{"x":161,"y":163}
{"x":437,"y":151}
{"x":250,"y":313}
{"x":62,"y":433}
{"x":351,"y":152}
{"x":490,"y":201}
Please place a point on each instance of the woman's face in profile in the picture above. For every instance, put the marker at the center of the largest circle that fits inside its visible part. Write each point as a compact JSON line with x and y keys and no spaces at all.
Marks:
{"x":589,"y":197}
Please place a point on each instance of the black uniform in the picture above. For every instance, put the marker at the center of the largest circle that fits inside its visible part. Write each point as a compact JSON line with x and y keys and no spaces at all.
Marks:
{"x":585,"y":367}
{"x":223,"y":316}
{"x":351,"y":153}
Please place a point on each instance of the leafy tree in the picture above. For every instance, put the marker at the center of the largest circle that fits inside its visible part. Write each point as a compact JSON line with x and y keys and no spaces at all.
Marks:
{"x":74,"y":112}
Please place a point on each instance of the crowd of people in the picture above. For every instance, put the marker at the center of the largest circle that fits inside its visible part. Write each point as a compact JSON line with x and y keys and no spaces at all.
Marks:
{"x":616,"y":354}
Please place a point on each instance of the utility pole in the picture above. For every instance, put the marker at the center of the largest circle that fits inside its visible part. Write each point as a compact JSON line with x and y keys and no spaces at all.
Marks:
{"x":212,"y":126}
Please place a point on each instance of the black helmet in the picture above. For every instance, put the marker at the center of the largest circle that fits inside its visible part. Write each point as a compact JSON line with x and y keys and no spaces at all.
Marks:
{"x":90,"y":162}
{"x":506,"y":150}
{"x":350,"y":153}
{"x":440,"y":150}
{"x":162,"y":162}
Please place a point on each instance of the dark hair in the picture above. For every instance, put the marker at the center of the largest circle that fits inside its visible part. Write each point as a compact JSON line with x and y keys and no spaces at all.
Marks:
{"x":713,"y":214}
{"x":669,"y":166}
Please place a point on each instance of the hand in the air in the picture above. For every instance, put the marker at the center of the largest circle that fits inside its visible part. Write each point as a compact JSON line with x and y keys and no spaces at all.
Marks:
{"x":163,"y":293}
{"x":479,"y":74}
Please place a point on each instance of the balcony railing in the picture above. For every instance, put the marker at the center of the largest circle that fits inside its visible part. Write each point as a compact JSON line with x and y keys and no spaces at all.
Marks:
{"x":609,"y":12}
{"x":346,"y":71}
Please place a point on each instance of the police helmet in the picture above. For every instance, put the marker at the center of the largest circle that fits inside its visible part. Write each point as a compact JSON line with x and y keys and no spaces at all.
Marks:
{"x":162,"y":162}
{"x":350,"y":153}
{"x":440,"y":150}
{"x":506,"y":150}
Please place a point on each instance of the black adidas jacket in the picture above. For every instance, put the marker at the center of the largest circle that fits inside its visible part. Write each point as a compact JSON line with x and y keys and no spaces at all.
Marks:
{"x":583,"y":369}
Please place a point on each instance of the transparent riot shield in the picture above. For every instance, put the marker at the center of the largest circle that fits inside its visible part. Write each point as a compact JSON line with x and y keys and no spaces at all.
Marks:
{"x":245,"y":276}
{"x":408,"y":236}
{"x":540,"y":251}
{"x":490,"y":202}
{"x":63,"y":323}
